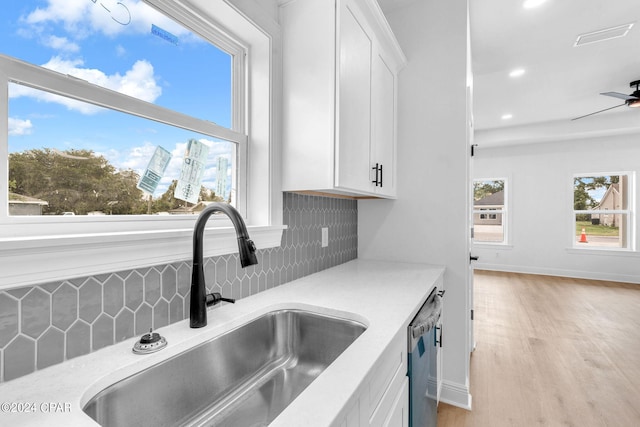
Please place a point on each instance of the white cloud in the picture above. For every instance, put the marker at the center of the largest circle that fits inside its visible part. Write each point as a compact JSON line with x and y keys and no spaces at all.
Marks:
{"x":16,"y":91}
{"x":137,"y":158}
{"x":18,"y":127}
{"x":138,"y":82}
{"x":175,"y":165}
{"x":61,"y":44}
{"x":120,"y":50}
{"x":110,"y":17}
{"x":66,"y":11}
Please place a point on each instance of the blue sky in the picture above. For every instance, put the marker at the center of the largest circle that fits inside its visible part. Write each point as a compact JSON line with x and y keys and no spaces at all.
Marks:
{"x":110,"y":43}
{"x":596,"y":193}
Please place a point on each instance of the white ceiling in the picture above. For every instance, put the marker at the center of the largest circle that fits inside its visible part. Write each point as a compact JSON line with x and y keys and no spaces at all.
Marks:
{"x":560,"y":81}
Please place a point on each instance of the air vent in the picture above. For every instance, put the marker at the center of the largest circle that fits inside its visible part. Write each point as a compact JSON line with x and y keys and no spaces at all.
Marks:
{"x":602,"y":35}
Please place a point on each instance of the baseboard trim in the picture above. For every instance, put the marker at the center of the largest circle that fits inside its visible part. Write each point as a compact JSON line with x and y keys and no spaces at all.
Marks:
{"x":455,"y":394}
{"x":576,"y":274}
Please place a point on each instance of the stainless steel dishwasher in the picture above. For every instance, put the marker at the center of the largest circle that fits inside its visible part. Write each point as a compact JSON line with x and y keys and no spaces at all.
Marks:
{"x":424,"y":341}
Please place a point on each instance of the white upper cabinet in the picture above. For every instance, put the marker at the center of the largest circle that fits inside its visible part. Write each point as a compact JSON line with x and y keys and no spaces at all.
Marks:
{"x":383,"y":126}
{"x":340,"y":66}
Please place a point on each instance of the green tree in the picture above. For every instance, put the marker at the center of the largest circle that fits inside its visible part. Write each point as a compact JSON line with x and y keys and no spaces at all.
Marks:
{"x":76,"y":181}
{"x":123,"y":197}
{"x":80,"y":181}
{"x":482,"y":189}
{"x":582,"y":200}
{"x":167,"y":202}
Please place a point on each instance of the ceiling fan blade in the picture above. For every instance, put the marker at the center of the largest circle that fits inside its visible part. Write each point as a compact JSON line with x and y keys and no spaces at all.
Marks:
{"x":596,"y":112}
{"x":619,"y":95}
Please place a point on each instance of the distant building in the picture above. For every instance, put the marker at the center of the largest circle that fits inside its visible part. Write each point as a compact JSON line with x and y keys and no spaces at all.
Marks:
{"x":492,"y":202}
{"x":25,"y":205}
{"x":612,"y":200}
{"x":221,"y":177}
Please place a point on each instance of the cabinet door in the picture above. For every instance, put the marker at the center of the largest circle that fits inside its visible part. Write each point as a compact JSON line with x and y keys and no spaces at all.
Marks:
{"x":383,"y":113}
{"x":399,"y":414}
{"x":354,"y":100}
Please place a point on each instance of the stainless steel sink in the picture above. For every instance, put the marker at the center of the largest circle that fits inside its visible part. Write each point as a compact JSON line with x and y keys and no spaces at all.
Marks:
{"x":243,"y":378}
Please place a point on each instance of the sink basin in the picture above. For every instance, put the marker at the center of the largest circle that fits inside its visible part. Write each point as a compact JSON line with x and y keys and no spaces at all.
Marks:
{"x":243,"y":378}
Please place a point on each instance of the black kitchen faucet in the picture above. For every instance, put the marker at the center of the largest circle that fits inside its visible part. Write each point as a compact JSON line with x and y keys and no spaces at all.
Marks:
{"x":246,"y":248}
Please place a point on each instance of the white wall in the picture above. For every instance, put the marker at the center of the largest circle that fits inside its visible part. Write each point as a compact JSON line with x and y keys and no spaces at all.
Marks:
{"x":541,"y":201}
{"x":428,"y":221}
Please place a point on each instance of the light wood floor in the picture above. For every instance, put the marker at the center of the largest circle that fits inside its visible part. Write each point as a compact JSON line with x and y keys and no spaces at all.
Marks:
{"x":552,"y":352}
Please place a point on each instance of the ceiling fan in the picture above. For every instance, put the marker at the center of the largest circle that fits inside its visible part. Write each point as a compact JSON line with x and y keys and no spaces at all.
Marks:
{"x":632,"y":100}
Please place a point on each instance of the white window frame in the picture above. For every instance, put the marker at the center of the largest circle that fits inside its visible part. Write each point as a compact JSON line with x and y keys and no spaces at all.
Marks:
{"x":629,"y":213}
{"x":506,"y":220}
{"x":40,"y":249}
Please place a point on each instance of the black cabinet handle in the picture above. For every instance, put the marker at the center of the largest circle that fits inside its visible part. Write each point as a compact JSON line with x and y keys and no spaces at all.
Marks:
{"x":439,"y":335}
{"x":376,"y":169}
{"x":378,"y":180}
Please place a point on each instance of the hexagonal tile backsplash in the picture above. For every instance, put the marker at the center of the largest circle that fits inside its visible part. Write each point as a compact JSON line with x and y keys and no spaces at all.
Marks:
{"x":49,"y":323}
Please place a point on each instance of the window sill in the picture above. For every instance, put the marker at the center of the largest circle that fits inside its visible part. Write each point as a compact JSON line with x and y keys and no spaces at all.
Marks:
{"x":489,"y":245}
{"x":40,"y":259}
{"x":602,"y":251}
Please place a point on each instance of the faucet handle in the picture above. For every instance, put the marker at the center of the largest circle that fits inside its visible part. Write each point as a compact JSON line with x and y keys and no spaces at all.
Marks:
{"x":215,"y":297}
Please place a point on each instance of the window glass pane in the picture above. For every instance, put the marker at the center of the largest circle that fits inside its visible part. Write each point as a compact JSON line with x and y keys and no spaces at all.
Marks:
{"x":489,"y":230}
{"x":601,"y":203}
{"x":601,"y":230}
{"x":600,"y":192}
{"x":126,"y":46}
{"x":67,"y":156}
{"x":488,"y":217}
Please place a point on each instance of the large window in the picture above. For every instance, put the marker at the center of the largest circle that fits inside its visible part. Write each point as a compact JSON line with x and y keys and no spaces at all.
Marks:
{"x":602,"y":215}
{"x":107,"y":103}
{"x":114,"y":84}
{"x":490,"y":211}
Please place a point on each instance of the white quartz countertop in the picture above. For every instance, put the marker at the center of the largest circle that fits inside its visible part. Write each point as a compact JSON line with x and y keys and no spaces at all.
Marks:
{"x":383,"y":295}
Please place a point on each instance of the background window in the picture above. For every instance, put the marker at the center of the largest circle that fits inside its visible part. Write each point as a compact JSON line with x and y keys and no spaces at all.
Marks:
{"x":489,"y":211}
{"x":602,"y":210}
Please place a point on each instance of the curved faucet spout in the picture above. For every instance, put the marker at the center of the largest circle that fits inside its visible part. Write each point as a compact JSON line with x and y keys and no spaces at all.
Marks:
{"x":246,"y":249}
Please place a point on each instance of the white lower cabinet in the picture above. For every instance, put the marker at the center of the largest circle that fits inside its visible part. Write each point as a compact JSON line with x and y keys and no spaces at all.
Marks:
{"x":399,"y":413}
{"x":383,"y":400}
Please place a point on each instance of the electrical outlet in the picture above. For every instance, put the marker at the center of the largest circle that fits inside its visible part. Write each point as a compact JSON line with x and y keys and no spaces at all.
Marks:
{"x":325,"y":237}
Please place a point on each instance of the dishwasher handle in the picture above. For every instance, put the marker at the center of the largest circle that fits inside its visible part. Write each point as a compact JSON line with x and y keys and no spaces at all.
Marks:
{"x":427,"y":318}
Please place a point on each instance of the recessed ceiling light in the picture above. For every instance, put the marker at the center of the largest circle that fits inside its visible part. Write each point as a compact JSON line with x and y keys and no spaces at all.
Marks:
{"x":507,"y":116}
{"x":530,"y":4}
{"x":517,"y":72}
